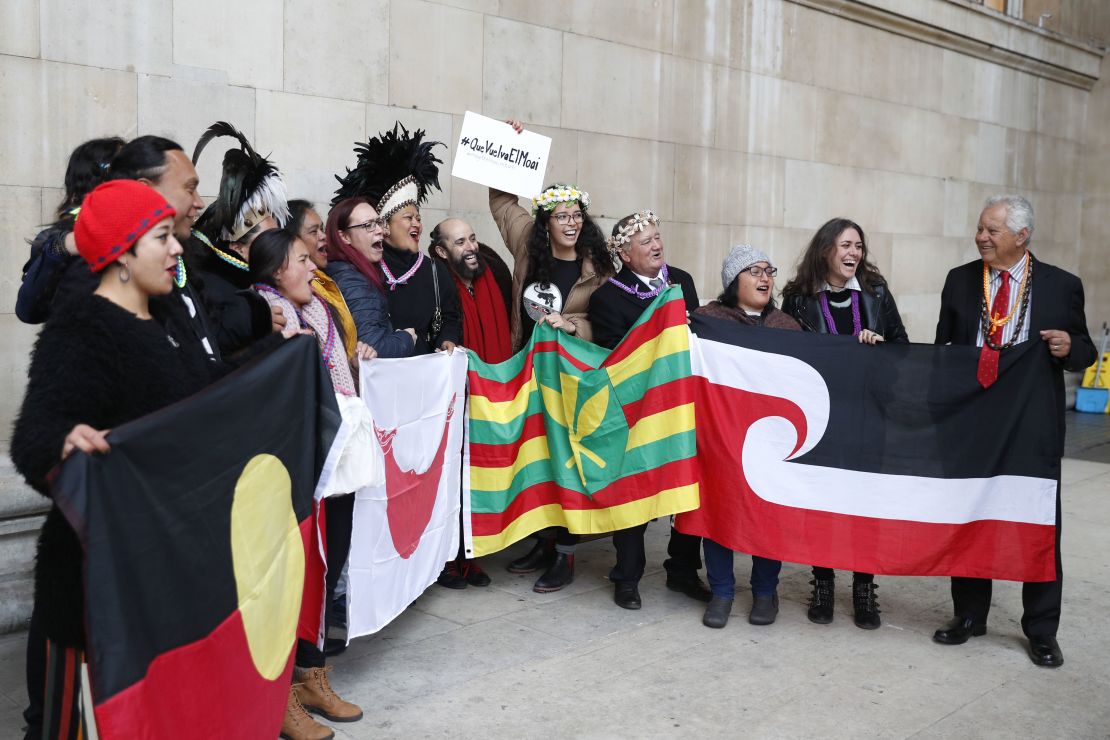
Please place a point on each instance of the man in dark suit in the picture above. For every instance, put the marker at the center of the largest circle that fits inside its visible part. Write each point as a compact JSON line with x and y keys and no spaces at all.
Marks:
{"x":1028,"y":300}
{"x":614,"y":308}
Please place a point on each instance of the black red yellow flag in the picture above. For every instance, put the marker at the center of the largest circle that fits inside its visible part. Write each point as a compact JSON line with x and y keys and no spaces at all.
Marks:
{"x":198,"y":529}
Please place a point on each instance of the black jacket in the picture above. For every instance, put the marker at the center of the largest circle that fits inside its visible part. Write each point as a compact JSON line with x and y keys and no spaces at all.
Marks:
{"x":414,"y":303}
{"x":613,"y":311}
{"x":94,"y":363}
{"x":878,"y":312}
{"x":1056,"y":303}
{"x":238,"y":315}
{"x":52,"y":277}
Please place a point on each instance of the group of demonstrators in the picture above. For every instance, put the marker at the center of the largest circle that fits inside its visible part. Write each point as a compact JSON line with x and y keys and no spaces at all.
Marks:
{"x":148,"y":296}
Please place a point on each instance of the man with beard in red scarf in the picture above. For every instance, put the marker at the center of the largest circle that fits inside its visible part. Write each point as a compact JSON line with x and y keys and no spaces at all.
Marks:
{"x":482,"y":296}
{"x":484,"y":300}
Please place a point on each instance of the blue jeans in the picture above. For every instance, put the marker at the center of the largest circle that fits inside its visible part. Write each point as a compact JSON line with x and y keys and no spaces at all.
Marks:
{"x":722,"y":579}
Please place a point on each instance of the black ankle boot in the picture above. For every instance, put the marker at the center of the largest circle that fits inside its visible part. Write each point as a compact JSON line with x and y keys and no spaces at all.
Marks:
{"x":540,"y":556}
{"x":558,"y":576}
{"x":866,"y":605}
{"x":821,"y":601}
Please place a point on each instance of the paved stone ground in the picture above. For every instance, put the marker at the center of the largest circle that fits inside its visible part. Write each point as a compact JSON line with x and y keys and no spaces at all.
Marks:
{"x":506,"y":662}
{"x":1088,"y":437}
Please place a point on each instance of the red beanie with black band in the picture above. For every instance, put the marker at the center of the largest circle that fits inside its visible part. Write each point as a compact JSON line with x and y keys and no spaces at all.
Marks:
{"x":113,"y":217}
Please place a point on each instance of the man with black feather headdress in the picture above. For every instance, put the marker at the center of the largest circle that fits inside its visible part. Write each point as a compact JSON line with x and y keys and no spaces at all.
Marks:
{"x":252,"y":199}
{"x":395,"y":171}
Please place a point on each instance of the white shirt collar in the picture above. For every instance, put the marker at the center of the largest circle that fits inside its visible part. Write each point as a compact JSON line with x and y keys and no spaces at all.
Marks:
{"x":645,"y":279}
{"x":1017,"y":270}
{"x":852,"y":284}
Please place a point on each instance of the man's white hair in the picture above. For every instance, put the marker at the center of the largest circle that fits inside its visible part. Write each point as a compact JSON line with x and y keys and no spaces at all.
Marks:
{"x":1019,"y":212}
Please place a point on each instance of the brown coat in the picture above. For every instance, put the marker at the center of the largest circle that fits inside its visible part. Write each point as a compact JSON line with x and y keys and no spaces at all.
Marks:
{"x":515,"y":226}
{"x":772,"y":318}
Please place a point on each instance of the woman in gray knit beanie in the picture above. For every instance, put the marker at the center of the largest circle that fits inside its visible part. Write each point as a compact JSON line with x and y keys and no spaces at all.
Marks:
{"x":748,"y":278}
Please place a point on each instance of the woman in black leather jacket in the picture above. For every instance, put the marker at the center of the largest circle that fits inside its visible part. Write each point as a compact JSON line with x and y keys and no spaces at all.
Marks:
{"x":837,"y":290}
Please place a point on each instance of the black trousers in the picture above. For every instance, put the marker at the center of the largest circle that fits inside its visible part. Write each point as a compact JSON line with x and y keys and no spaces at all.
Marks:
{"x":339,"y":522}
{"x":36,"y":674}
{"x":828,"y":574}
{"x":971,"y":597}
{"x":684,"y":553}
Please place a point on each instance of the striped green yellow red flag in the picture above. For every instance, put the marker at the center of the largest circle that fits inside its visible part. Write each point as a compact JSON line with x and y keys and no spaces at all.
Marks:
{"x":566,"y":433}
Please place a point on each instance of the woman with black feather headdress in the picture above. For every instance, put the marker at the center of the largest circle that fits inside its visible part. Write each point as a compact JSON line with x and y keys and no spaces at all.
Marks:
{"x":396,"y":171}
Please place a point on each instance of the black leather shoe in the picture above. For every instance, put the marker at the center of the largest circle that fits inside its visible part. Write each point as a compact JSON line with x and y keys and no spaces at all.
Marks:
{"x":866,"y":606}
{"x":821,"y":601}
{"x":452,"y":576}
{"x":717,"y":613}
{"x":764,"y":609}
{"x":1045,"y":651}
{"x":541,"y":556}
{"x":627,"y":596}
{"x":558,"y":576}
{"x":958,"y":631}
{"x":691,"y":585}
{"x":474,"y":574}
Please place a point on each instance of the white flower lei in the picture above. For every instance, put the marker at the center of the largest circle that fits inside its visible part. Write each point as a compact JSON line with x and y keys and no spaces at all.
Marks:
{"x":640,"y":221}
{"x":551,"y":197}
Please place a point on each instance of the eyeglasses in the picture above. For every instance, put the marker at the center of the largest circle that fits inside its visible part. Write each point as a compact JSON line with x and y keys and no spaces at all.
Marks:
{"x":564,"y":218}
{"x":756,"y":271}
{"x":374,"y":223}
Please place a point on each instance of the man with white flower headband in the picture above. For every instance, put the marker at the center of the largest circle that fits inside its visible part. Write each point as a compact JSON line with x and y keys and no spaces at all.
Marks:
{"x":560,"y":259}
{"x":614,"y":309}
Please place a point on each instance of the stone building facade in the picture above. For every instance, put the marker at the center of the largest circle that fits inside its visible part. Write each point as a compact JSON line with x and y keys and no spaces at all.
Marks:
{"x":735,"y":120}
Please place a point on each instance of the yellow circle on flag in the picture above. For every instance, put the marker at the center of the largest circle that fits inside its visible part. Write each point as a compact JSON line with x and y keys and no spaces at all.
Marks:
{"x":268,"y":559}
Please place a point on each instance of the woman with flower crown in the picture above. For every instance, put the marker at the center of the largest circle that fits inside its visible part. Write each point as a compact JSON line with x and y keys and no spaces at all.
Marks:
{"x":560,"y":260}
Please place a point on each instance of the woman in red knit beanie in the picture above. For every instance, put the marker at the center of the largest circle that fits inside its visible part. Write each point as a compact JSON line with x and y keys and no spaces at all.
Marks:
{"x":101,"y":360}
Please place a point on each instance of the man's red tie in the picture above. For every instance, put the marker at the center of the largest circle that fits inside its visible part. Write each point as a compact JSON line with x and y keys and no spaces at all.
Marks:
{"x":988,"y":358}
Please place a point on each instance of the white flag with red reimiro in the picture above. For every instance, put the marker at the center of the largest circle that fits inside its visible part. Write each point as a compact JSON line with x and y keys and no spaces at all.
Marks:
{"x":406,"y":530}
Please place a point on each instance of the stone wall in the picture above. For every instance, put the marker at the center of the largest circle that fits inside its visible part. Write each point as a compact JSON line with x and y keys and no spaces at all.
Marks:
{"x":741,"y":120}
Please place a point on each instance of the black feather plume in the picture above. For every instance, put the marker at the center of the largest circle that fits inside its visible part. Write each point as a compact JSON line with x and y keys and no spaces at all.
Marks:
{"x":388,"y":158}
{"x":248,"y":178}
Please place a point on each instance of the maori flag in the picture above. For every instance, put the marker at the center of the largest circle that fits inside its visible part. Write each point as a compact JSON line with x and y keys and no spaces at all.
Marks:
{"x":405,"y":530}
{"x":568,"y":434}
{"x":888,"y":459}
{"x":198,"y":537}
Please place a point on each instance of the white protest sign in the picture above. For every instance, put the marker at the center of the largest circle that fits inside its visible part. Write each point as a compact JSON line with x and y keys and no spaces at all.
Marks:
{"x":489,"y":152}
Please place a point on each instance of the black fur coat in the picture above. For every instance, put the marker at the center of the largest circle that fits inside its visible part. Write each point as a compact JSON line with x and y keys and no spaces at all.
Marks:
{"x":94,"y":363}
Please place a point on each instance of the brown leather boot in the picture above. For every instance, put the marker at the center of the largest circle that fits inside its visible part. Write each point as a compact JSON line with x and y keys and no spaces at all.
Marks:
{"x":298,"y":724}
{"x":318,"y":696}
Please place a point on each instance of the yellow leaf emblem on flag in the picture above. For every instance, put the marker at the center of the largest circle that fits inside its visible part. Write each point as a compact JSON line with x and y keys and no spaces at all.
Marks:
{"x":588,"y":419}
{"x":595,"y":427}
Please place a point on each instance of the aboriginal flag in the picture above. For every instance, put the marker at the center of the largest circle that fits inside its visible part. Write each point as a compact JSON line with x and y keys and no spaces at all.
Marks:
{"x":889,"y":459}
{"x":198,"y":536}
{"x":568,"y":434}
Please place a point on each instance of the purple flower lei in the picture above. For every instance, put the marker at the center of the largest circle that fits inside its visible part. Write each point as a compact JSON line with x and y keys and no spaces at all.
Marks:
{"x":394,"y":282}
{"x":635,"y":290}
{"x":857,"y":325}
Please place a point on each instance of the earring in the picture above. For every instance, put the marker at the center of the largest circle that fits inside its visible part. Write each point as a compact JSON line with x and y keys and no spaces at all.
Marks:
{"x":124,"y":273}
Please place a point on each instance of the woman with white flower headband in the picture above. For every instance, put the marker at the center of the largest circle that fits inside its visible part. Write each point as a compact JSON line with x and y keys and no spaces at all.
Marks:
{"x":615,"y":307}
{"x":560,"y":260}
